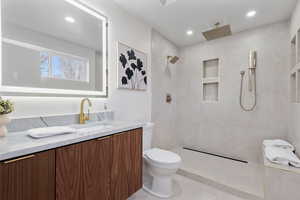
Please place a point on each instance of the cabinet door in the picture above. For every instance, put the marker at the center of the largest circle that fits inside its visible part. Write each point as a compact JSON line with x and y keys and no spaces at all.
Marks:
{"x":69,"y":184}
{"x":126,"y":175}
{"x":120,"y":166}
{"x":136,"y":151}
{"x":97,"y":161}
{"x":83,"y":170}
{"x":28,"y":178}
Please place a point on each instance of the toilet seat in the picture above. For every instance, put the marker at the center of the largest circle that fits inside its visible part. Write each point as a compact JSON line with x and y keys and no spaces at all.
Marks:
{"x":162,"y":157}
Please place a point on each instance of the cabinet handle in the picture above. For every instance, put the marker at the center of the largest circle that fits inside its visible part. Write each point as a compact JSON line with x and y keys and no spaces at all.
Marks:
{"x":103,"y":138}
{"x":19,"y":159}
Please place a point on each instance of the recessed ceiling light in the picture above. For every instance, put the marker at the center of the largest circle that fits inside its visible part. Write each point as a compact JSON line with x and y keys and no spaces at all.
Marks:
{"x":70,"y":19}
{"x":189,"y":32}
{"x":251,"y":14}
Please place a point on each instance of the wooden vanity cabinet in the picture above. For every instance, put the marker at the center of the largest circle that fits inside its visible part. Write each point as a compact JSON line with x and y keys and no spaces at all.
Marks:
{"x":104,"y":169}
{"x":30,"y":177}
{"x":69,"y":172}
{"x":108,"y":168}
{"x":83,"y":170}
{"x":97,"y":161}
{"x":126,"y":178}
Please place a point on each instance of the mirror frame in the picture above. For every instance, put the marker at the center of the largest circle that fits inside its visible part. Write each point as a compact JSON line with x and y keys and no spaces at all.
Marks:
{"x":31,"y":91}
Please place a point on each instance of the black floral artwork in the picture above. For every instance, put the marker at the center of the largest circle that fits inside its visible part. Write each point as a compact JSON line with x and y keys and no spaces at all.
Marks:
{"x":131,"y":55}
{"x":132,"y":69}
{"x":124,"y":80}
{"x":139,"y":65}
{"x":123,"y":60}
{"x":129,"y":73}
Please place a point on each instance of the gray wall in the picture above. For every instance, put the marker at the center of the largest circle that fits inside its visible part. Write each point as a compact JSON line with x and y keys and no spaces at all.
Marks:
{"x":163,"y":82}
{"x":223,"y":127}
{"x":294,"y":132}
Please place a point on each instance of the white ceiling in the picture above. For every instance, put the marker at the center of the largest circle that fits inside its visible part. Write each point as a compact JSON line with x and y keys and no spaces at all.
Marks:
{"x":199,"y":15}
{"x":48,"y":17}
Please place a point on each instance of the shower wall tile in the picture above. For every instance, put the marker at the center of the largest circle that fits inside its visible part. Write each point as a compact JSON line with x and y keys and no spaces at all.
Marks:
{"x":223,"y":127}
{"x":163,"y":83}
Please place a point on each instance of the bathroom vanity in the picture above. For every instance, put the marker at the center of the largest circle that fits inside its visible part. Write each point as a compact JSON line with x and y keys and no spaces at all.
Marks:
{"x":103,"y":165}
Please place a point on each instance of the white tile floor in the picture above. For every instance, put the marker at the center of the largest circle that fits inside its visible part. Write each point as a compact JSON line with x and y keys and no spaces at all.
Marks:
{"x":187,"y":189}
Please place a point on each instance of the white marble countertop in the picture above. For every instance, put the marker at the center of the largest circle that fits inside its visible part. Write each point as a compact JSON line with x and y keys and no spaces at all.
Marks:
{"x":18,"y":144}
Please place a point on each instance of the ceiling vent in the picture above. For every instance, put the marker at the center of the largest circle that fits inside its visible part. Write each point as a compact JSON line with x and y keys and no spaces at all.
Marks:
{"x":167,"y":2}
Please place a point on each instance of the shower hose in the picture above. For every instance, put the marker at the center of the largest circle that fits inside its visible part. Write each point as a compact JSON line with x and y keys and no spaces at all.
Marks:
{"x":241,"y":93}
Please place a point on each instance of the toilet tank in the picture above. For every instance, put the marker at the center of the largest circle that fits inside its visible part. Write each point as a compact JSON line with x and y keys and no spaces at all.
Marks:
{"x":147,"y":135}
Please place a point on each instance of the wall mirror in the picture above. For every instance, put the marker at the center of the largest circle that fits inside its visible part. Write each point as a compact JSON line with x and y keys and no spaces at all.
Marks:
{"x":53,"y":48}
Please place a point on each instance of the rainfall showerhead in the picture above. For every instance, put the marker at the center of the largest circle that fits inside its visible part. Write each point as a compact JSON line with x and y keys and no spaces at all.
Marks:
{"x":173,"y":59}
{"x":217,"y":32}
{"x":167,"y":2}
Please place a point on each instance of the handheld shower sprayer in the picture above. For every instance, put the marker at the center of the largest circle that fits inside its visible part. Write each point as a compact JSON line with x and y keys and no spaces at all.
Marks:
{"x":252,"y":80}
{"x":252,"y":67}
{"x":252,"y":59}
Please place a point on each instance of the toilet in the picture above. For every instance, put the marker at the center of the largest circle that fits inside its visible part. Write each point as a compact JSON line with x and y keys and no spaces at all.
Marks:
{"x":159,"y":166}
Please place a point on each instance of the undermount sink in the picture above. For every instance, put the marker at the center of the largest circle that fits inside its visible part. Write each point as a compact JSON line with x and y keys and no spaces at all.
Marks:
{"x":92,"y":125}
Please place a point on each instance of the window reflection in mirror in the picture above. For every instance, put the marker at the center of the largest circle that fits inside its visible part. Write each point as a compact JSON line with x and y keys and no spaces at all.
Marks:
{"x":51,"y":44}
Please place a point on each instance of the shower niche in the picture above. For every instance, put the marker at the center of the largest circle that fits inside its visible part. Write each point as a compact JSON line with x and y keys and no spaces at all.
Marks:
{"x":211,"y":80}
{"x":295,"y":68}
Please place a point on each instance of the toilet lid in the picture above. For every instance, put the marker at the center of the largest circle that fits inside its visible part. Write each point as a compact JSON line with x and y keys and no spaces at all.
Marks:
{"x":162,"y":156}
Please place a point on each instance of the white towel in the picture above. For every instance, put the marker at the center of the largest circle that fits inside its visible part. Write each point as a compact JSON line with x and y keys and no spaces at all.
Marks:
{"x":50,"y":131}
{"x":282,"y":156}
{"x":278,"y":143}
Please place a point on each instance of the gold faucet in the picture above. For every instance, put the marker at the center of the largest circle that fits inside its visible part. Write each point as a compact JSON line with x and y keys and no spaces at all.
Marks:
{"x":83,"y":118}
